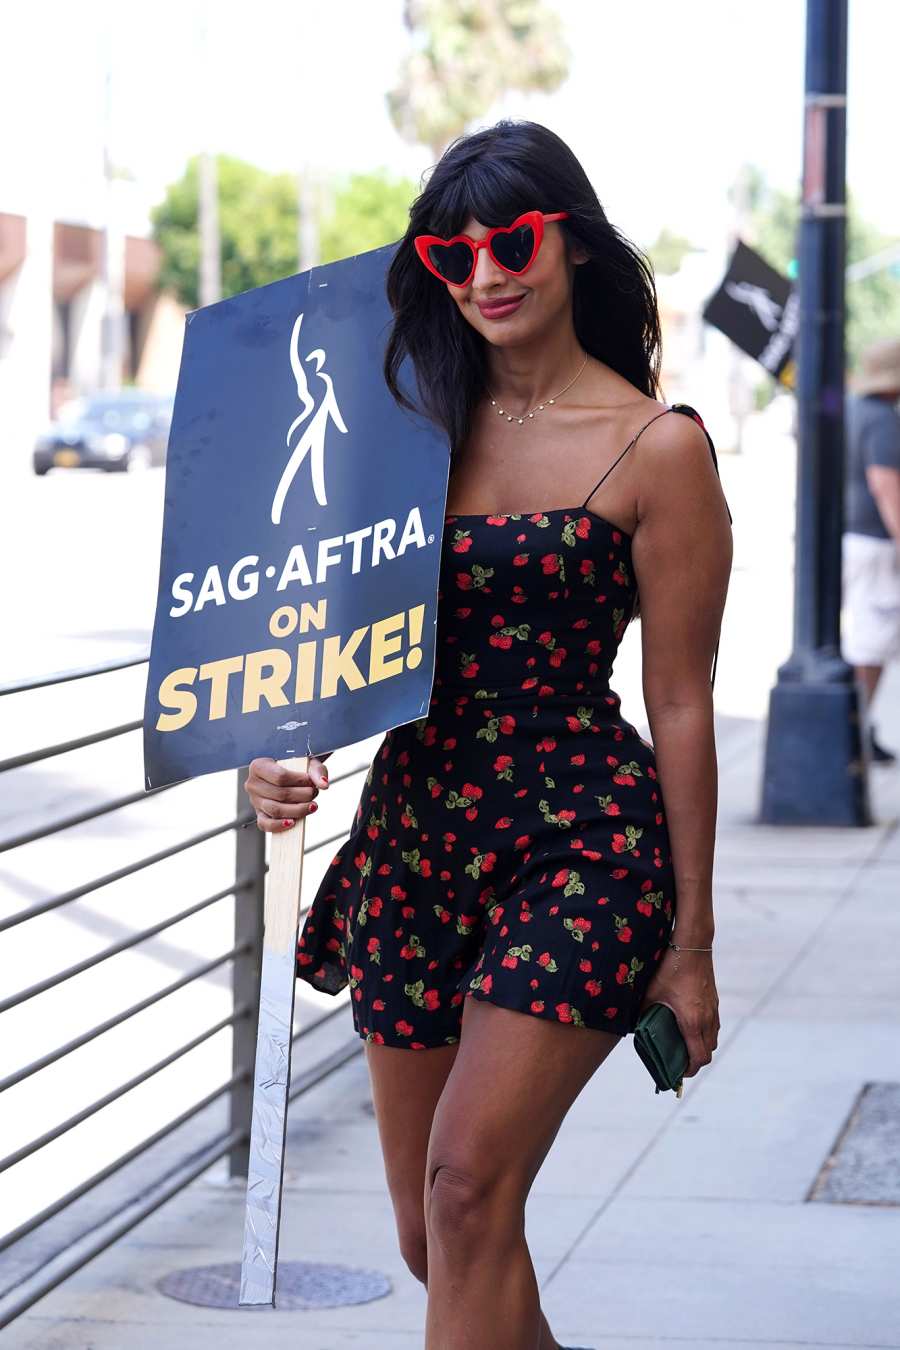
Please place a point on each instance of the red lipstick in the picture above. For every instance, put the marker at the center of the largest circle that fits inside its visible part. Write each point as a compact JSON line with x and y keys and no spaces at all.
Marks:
{"x":500,"y":309}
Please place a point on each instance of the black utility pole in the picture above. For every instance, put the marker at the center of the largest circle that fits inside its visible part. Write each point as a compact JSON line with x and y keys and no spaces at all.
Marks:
{"x":816,"y":767}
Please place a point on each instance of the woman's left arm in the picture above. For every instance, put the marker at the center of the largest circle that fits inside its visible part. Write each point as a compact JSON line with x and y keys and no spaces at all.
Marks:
{"x":681,"y":553}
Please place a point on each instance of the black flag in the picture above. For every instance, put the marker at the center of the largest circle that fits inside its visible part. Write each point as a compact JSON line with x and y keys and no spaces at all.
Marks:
{"x":758,"y":309}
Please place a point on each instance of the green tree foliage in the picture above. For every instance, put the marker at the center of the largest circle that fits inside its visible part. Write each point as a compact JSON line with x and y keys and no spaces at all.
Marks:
{"x":369,"y":209}
{"x":465,"y":55}
{"x":257,"y":226}
{"x":873,"y":302}
{"x":669,"y":251}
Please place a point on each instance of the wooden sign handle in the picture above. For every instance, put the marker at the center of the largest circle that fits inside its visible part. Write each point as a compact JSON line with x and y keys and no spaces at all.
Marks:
{"x":285,"y":873}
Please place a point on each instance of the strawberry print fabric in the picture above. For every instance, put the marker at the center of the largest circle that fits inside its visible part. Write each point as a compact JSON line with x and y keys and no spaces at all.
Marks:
{"x":511,"y":845}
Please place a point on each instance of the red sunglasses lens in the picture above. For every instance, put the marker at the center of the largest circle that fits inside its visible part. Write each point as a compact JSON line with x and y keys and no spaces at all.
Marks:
{"x":514,"y":250}
{"x":453,"y":262}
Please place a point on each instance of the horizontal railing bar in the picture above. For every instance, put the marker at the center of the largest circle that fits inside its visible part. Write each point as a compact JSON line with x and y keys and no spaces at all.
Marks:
{"x":65,"y":676}
{"x":308,"y":848}
{"x":44,"y":831}
{"x":304,"y":1084}
{"x":48,"y":752}
{"x":328,"y":1066}
{"x":56,"y":1271}
{"x":90,"y":961}
{"x":323,"y":843}
{"x":63,"y":1201}
{"x":54,"y":902}
{"x":314,"y":1026}
{"x":53,"y":1056}
{"x":27,"y":1150}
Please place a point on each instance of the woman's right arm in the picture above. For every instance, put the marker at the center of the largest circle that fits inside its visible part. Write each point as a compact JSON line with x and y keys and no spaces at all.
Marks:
{"x":280,"y":796}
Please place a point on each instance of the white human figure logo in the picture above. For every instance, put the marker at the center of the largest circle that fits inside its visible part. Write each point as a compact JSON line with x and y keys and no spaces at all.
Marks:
{"x":312,"y":442}
{"x":757,"y":298}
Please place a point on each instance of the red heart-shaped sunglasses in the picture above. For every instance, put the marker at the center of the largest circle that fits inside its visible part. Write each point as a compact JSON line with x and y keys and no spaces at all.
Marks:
{"x":513,"y":247}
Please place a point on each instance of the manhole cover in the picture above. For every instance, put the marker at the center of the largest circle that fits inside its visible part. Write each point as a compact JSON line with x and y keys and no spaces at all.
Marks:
{"x":864,"y":1167}
{"x":301,"y":1284}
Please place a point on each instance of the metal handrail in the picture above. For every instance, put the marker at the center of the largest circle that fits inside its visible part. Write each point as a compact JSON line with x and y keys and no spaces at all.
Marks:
{"x":64,"y":747}
{"x":82,"y":817}
{"x":66,"y":676}
{"x":321,"y":1020}
{"x":115,"y":1093}
{"x":336,"y":1060}
{"x":54,"y":902}
{"x":54,"y":1056}
{"x":39,"y":1284}
{"x":123,"y":945}
{"x":44,"y":906}
{"x":92,"y":1182}
{"x":246,"y":889}
{"x":150,"y":1201}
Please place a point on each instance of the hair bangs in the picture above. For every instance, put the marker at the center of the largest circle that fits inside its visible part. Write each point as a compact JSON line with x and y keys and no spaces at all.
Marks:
{"x":489,"y":190}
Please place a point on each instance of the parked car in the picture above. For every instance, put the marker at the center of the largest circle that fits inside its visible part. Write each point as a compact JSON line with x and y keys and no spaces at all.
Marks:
{"x":115,"y":430}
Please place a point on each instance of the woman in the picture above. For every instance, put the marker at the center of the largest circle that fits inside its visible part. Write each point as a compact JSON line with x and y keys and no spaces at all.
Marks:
{"x":508,"y":891}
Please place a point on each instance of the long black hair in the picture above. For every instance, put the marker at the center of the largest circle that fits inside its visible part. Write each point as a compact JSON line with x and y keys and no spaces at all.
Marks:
{"x":494,"y":175}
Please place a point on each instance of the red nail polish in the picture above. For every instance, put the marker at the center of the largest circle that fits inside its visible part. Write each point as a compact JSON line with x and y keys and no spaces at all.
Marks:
{"x":314,"y":806}
{"x":287,"y":823}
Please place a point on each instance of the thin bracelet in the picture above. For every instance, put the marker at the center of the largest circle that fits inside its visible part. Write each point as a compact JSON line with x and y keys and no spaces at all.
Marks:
{"x":676,"y":948}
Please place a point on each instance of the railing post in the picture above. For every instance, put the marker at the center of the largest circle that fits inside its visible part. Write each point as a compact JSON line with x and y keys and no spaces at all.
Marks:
{"x":250,"y":862}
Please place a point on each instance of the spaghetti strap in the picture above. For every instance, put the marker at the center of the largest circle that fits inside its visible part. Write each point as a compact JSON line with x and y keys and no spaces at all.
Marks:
{"x":690,"y":412}
{"x":623,"y":454}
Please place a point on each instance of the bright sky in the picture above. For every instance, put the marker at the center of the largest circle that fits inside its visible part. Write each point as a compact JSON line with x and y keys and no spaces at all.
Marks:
{"x":663,"y":104}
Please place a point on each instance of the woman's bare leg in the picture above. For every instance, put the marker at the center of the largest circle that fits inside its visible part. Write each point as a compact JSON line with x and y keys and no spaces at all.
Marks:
{"x":513,"y":1080}
{"x":869,"y":677}
{"x":406,"y":1087}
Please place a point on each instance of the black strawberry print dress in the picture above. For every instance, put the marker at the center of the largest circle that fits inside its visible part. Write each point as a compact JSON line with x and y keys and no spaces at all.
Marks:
{"x":510,"y":845}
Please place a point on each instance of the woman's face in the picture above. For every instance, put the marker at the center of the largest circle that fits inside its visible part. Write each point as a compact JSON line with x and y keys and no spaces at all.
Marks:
{"x":512,"y":310}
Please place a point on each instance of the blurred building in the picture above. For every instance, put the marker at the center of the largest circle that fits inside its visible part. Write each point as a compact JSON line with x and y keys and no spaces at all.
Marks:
{"x":700,"y":365}
{"x":53,"y":299}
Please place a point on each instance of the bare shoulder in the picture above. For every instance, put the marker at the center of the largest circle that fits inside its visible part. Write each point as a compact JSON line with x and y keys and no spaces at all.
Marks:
{"x":678,"y":475}
{"x":677,"y":442}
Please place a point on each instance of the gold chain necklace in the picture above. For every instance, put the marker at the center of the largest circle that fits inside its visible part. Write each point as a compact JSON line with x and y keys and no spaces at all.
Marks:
{"x":512,"y":417}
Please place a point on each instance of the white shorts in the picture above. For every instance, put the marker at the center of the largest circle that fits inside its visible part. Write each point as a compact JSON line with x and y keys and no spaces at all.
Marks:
{"x":870,"y":619}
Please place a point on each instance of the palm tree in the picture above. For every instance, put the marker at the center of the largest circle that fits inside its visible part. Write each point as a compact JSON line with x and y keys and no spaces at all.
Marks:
{"x":465,"y":55}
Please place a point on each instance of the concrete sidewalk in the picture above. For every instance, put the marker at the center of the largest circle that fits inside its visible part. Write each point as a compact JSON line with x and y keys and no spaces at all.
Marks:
{"x":653,"y":1223}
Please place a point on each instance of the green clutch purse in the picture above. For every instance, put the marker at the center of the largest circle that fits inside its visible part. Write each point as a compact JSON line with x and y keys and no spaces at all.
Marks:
{"x":661,"y":1047}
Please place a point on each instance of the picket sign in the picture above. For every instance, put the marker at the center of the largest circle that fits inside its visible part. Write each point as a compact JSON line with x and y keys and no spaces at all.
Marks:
{"x":272,"y":1071}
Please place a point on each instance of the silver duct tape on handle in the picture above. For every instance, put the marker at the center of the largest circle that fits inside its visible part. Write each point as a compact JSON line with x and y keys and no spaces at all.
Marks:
{"x":272,"y":1070}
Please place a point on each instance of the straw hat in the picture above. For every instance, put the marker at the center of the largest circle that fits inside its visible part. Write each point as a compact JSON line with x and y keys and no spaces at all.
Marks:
{"x":879,"y":368}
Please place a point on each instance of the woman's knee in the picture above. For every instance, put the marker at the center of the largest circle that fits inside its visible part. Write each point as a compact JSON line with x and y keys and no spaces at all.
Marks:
{"x":466,"y":1206}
